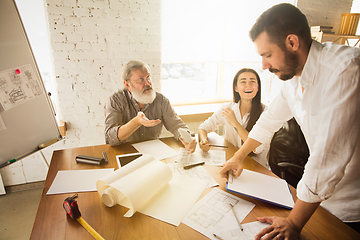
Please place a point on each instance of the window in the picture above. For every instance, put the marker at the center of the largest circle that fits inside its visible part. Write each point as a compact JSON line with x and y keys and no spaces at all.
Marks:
{"x":36,"y":29}
{"x":204,"y":44}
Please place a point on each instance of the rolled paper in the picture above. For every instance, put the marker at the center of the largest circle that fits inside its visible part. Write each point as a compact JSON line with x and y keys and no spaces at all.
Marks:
{"x":134,"y":186}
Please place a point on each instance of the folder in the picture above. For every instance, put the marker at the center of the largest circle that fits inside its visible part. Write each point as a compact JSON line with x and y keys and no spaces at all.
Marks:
{"x":262,"y":187}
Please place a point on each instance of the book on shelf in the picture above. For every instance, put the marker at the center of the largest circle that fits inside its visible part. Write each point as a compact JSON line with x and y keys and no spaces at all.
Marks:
{"x":324,"y":29}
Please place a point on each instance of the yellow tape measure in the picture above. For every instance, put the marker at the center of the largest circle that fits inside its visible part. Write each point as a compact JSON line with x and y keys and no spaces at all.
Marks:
{"x":89,"y":228}
{"x":71,"y":207}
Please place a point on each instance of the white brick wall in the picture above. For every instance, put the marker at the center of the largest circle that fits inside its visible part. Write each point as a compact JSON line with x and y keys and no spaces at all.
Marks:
{"x":91,"y":40}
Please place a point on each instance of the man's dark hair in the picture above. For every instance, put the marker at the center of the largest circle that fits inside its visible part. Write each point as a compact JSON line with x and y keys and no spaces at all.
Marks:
{"x":279,"y":21}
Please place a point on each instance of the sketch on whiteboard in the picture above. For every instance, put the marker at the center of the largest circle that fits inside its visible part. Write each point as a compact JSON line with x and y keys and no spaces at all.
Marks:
{"x":18,"y":85}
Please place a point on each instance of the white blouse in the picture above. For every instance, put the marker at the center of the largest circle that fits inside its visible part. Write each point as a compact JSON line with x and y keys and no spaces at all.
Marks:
{"x":215,"y":120}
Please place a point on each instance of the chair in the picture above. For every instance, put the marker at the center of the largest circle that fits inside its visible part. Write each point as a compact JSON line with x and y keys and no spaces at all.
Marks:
{"x":288,"y":153}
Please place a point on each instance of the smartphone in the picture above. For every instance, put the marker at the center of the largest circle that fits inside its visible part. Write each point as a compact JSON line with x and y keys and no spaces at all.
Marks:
{"x":185,"y":134}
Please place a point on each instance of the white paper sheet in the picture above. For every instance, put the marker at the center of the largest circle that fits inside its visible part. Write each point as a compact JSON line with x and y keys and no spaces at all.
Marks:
{"x":263,"y":187}
{"x":212,"y":214}
{"x":197,"y":172}
{"x":155,"y":148}
{"x":149,"y":186}
{"x":212,"y":157}
{"x":250,"y":230}
{"x":77,"y":180}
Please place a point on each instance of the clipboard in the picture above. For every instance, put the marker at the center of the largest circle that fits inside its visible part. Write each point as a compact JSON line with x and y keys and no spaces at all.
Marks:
{"x":262,"y":187}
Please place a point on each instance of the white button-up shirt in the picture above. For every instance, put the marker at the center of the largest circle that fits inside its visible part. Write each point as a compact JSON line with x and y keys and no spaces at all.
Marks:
{"x":231,"y":135}
{"x":328,"y":112}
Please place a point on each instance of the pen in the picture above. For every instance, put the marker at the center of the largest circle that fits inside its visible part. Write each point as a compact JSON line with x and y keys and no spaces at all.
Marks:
{"x":7,"y":163}
{"x":193,"y":165}
{"x":218,"y":237}
{"x":214,"y":145}
{"x":232,"y":209}
{"x":230,"y":176}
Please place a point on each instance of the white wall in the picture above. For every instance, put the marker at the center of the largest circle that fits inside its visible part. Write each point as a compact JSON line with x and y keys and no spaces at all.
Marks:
{"x":91,"y":40}
{"x":325,"y":12}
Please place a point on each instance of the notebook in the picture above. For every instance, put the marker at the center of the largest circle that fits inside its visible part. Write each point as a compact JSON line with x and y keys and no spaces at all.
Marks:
{"x":263,"y":187}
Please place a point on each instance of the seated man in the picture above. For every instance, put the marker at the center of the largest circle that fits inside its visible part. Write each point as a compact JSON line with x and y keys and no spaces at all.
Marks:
{"x":138,"y":112}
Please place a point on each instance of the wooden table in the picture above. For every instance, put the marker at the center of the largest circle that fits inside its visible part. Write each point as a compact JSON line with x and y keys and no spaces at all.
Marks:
{"x":53,"y":223}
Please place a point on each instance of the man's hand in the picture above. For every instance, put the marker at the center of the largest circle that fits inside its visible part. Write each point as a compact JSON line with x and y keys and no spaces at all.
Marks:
{"x":143,"y":120}
{"x":280,"y":228}
{"x":189,"y":146}
{"x":233,"y":163}
{"x":204,"y":145}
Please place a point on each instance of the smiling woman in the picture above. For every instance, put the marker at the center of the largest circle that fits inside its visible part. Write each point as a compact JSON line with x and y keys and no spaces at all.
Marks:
{"x":239,"y":116}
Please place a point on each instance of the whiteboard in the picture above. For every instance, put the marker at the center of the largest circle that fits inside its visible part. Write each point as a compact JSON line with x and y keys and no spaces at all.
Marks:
{"x":27,"y":118}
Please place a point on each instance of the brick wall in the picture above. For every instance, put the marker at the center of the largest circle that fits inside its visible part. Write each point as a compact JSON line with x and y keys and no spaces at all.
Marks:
{"x":91,"y":41}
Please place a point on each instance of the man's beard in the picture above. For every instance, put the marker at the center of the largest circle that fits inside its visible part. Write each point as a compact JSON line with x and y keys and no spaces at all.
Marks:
{"x":142,"y":97}
{"x":290,"y":68}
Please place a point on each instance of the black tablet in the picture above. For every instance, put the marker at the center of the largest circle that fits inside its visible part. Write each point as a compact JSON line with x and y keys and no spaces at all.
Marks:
{"x":127,"y":158}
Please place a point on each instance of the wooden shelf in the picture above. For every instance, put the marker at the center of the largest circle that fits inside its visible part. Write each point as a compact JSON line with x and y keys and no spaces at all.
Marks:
{"x":336,"y":38}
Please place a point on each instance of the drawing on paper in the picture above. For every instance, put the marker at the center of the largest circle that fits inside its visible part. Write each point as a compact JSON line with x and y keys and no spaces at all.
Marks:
{"x":215,"y":209}
{"x":212,"y":213}
{"x":17,"y":87}
{"x":212,"y":157}
{"x":196,"y":172}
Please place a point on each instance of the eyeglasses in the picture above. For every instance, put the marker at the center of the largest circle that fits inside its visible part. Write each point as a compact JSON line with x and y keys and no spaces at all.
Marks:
{"x":143,"y":80}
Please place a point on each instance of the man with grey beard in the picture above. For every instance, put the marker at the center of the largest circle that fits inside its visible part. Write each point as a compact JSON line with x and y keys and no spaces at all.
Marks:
{"x":138,"y":112}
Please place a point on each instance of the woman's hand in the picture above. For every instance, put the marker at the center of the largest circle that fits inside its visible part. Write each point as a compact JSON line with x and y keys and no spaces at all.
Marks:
{"x":204,"y":145}
{"x":230,"y":117}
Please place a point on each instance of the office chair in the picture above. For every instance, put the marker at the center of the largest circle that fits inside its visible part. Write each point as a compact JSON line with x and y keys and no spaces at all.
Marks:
{"x":288,"y":153}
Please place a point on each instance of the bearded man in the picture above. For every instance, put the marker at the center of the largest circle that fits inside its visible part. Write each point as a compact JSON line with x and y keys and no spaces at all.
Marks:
{"x":321,"y":91}
{"x":137,"y":112}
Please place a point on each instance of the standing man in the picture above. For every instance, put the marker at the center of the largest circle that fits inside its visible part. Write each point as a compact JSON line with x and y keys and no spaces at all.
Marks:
{"x":322,"y":92}
{"x":138,"y":112}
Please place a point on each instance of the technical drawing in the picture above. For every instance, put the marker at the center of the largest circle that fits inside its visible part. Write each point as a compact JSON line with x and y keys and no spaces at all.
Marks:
{"x":18,"y":85}
{"x":15,"y":78}
{"x":213,"y":214}
{"x":35,"y":87}
{"x":3,"y":84}
{"x":219,"y":206}
{"x":16,"y":95}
